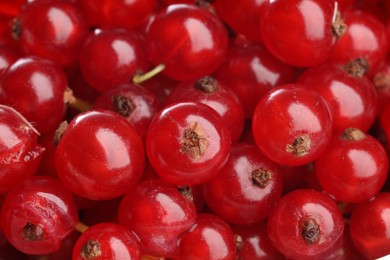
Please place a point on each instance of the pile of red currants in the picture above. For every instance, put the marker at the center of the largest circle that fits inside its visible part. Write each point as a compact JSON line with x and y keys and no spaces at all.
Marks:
{"x":202,"y":130}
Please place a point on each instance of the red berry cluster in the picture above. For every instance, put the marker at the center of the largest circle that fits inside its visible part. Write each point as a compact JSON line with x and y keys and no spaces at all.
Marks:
{"x":180,"y":129}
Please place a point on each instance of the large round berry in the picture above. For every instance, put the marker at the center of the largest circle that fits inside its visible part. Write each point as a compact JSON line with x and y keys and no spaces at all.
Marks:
{"x":187,"y":143}
{"x":292,"y":124}
{"x":100,"y":155}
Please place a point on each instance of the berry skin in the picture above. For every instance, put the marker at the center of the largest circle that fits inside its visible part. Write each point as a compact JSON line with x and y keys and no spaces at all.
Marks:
{"x":365,"y":38}
{"x":246,"y":188}
{"x":100,"y":155}
{"x":35,"y":87}
{"x":107,"y":241}
{"x":370,"y":227}
{"x":250,"y":71}
{"x":112,"y":57}
{"x":352,"y":100}
{"x":158,"y":214}
{"x":188,"y":40}
{"x":52,"y":29}
{"x":210,"y":238}
{"x":133,"y":102}
{"x":307,"y":25}
{"x":37,"y":214}
{"x":353,"y":168}
{"x":292,"y":124}
{"x":20,"y":154}
{"x":187,"y":143}
{"x":255,"y":243}
{"x":211,"y":92}
{"x":314,"y":224}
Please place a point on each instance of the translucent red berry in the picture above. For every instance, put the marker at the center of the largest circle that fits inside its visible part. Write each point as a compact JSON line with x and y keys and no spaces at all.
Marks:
{"x":292,"y":124}
{"x":100,"y":155}
{"x":314,"y":224}
{"x":37,"y":214}
{"x":187,"y":143}
{"x":189,"y":41}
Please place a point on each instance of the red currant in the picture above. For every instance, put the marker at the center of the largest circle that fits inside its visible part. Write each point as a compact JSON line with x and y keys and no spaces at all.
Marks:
{"x":107,"y":241}
{"x":292,"y":124}
{"x":314,"y":224}
{"x":370,"y":227}
{"x":100,"y":155}
{"x":353,"y":168}
{"x":309,"y":25}
{"x":158,"y":214}
{"x":189,"y":41}
{"x":187,"y":143}
{"x":37,"y":214}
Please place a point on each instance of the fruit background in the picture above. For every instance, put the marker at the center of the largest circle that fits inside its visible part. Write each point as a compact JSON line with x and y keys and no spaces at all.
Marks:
{"x":178,"y":129}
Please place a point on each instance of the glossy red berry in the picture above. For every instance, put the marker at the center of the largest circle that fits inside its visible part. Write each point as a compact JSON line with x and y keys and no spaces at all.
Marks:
{"x":365,"y":38}
{"x":292,"y":124}
{"x":310,"y":26}
{"x":20,"y":154}
{"x":112,"y":57}
{"x":210,"y":238}
{"x":158,"y":214}
{"x":250,"y":72}
{"x":120,"y":13}
{"x":133,"y":102}
{"x":370,"y":227}
{"x":52,"y":29}
{"x":107,"y":241}
{"x":353,"y":168}
{"x":242,"y":16}
{"x":188,"y":40}
{"x":352,"y":100}
{"x":253,"y":242}
{"x":35,"y":87}
{"x":211,"y":92}
{"x":37,"y":214}
{"x":246,"y":188}
{"x":314,"y":224}
{"x":100,"y":155}
{"x":187,"y":143}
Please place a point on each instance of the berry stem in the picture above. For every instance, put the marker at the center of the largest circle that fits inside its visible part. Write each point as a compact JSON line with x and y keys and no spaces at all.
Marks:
{"x":139,"y":78}
{"x":81,"y":227}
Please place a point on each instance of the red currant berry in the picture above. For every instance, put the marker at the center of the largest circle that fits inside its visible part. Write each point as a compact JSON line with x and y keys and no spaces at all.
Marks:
{"x":246,"y":188}
{"x":20,"y":154}
{"x":250,"y":71}
{"x":107,"y":241}
{"x":353,"y":168}
{"x":352,"y":100}
{"x":370,"y":227}
{"x":216,"y":95}
{"x":158,"y":214}
{"x":131,"y":101}
{"x":37,"y":214}
{"x":36,"y":88}
{"x":210,"y":238}
{"x":189,"y":41}
{"x":52,"y":29}
{"x":100,"y":155}
{"x":314,"y":224}
{"x":187,"y":143}
{"x":242,"y":16}
{"x":112,"y":57}
{"x":311,"y":26}
{"x":119,"y":13}
{"x":365,"y":38}
{"x":292,"y":124}
{"x":253,"y":242}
